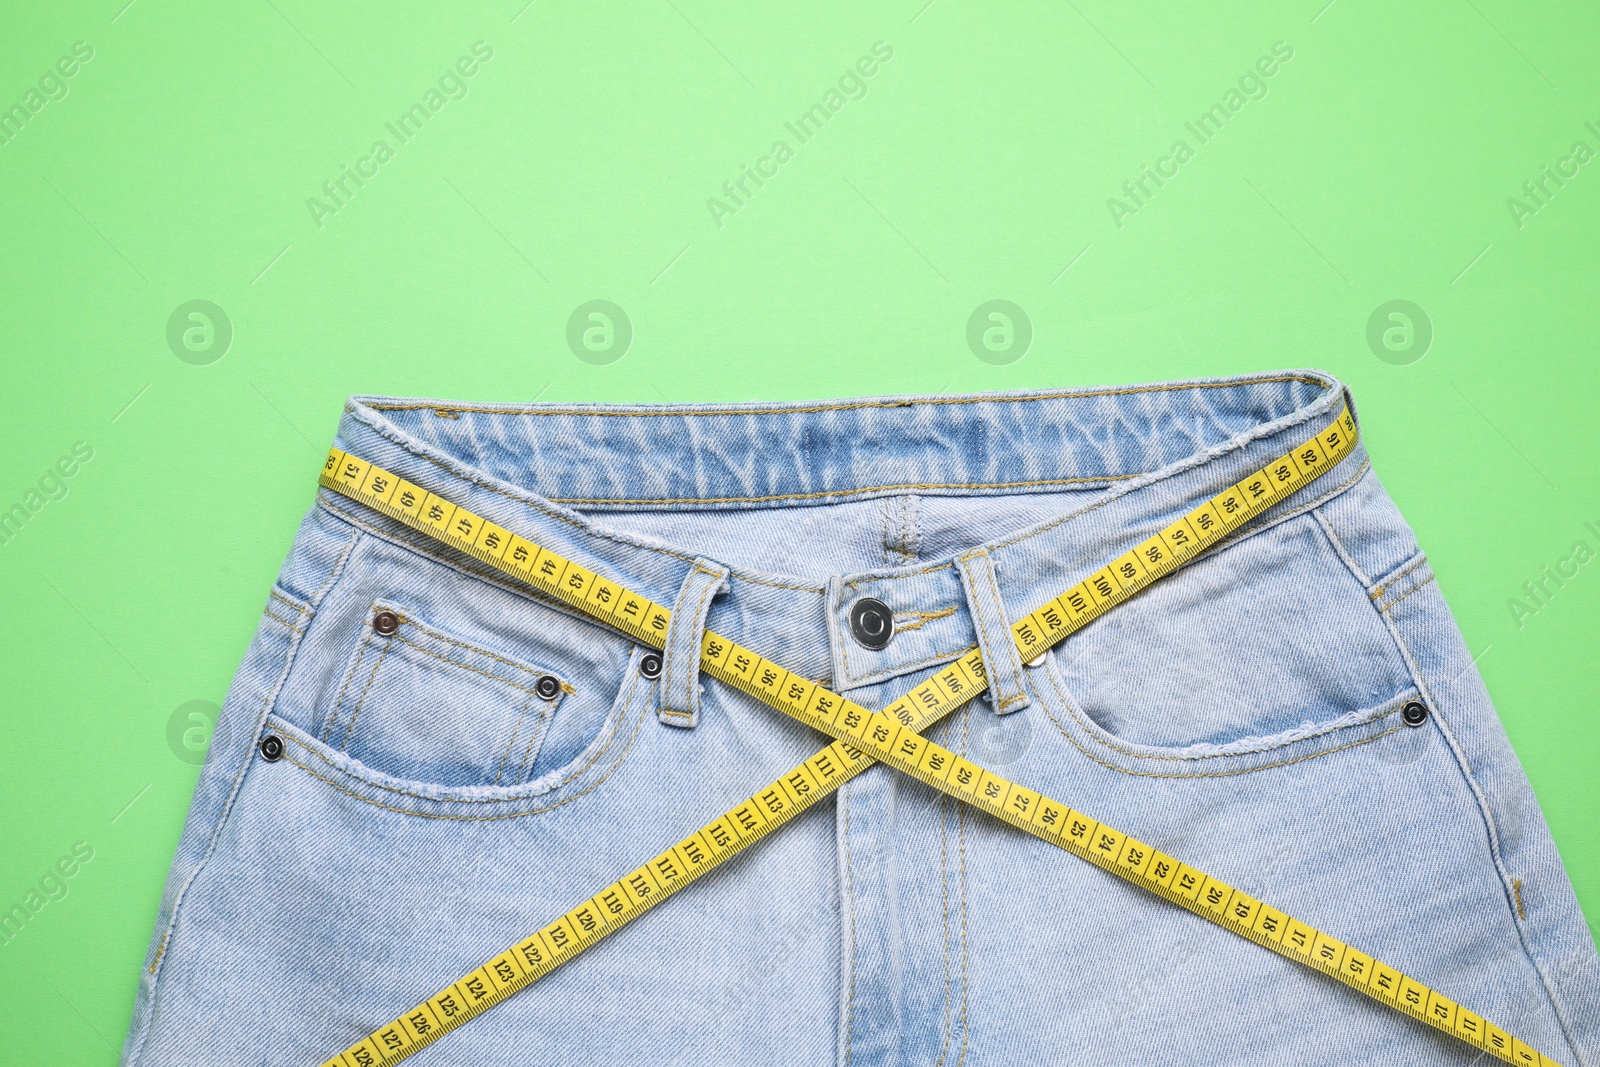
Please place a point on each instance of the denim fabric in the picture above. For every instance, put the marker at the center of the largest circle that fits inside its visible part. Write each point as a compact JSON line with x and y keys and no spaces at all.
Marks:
{"x":1008,"y":689}
{"x":678,"y":696}
{"x":1242,"y":715}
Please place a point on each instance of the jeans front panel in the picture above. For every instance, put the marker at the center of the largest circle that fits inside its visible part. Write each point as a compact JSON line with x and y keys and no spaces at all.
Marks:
{"x":438,"y":799}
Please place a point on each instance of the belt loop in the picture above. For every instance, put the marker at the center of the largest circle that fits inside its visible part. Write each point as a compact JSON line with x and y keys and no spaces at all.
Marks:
{"x":679,"y":690}
{"x":1006,"y":689}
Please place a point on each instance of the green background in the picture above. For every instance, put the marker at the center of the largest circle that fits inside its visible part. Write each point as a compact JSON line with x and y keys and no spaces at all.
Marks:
{"x":578,"y":166}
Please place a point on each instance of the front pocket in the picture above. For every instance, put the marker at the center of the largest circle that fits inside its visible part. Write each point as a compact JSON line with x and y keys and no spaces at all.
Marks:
{"x":1271,"y":638}
{"x":420,"y":704}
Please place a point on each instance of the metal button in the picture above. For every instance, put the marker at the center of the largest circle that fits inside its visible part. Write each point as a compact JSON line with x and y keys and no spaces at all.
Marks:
{"x":650,"y":665}
{"x":271,"y":748}
{"x":871,"y":622}
{"x":385,"y":623}
{"x":548,"y":686}
{"x":1415,"y":713}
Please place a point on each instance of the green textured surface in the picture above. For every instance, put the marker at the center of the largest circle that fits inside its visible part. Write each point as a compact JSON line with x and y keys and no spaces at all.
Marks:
{"x":578,"y":165}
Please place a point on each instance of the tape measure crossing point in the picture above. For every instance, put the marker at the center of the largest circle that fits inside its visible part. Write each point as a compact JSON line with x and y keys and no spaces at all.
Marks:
{"x":891,"y":736}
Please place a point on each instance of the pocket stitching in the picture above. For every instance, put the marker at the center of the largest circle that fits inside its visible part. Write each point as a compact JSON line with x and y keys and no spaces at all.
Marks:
{"x":535,"y":745}
{"x":140,"y":1027}
{"x":499,"y":581}
{"x":639,"y":722}
{"x":1066,"y":702}
{"x":524,"y":668}
{"x":355,"y":669}
{"x":628,"y":699}
{"x":1486,"y":812}
{"x":1223,"y":774}
{"x":512,"y":741}
{"x":1378,"y":592}
{"x":467,"y":666}
{"x":355,"y":712}
{"x":1420,"y":585}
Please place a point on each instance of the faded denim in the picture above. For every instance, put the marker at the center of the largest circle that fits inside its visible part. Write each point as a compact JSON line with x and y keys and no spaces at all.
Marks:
{"x":1243,"y":715}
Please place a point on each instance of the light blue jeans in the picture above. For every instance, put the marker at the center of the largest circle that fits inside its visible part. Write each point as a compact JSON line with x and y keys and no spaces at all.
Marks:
{"x":464,"y":761}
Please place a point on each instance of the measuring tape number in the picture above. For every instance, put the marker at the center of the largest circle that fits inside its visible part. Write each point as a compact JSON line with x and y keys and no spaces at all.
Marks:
{"x":892,"y":737}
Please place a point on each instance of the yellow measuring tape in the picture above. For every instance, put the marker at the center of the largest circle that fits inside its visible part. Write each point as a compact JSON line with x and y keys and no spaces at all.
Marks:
{"x":891,"y":736}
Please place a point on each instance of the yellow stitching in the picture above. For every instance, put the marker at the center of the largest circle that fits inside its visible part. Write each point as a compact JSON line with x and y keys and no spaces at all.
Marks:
{"x":536,"y":503}
{"x":961,"y":822}
{"x":465,"y":666}
{"x":1066,"y":700}
{"x":338,"y":702}
{"x":1237,"y":534}
{"x":1243,"y":533}
{"x":1240,"y":534}
{"x":355,"y":712}
{"x":537,"y":736}
{"x":900,"y":574}
{"x":540,"y":734}
{"x":1228,"y":540}
{"x":473,"y":818}
{"x":466,"y":818}
{"x":406,"y":442}
{"x":944,"y":888}
{"x":923,"y":618}
{"x":446,"y":413}
{"x":691,"y":676}
{"x":523,"y":667}
{"x":512,"y":740}
{"x":1516,"y":890}
{"x":275,"y":595}
{"x":233,"y":791}
{"x":284,"y":622}
{"x":623,"y":501}
{"x":1215,"y":774}
{"x":1344,"y":549}
{"x":1376,"y":593}
{"x":1408,"y":592}
{"x":1008,"y":651}
{"x":338,"y":568}
{"x":161,"y":950}
{"x":901,"y":668}
{"x":1462,"y":762}
{"x":858,"y":405}
{"x":850,"y":892}
{"x":327,"y":498}
{"x":781,"y":585}
{"x":495,"y":578}
{"x":267,"y":700}
{"x":977,"y":623}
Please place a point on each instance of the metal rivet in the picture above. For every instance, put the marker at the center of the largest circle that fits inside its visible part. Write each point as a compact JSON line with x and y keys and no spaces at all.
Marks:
{"x":385,"y":623}
{"x":1414,"y":713}
{"x":1037,"y":661}
{"x":650,"y":665}
{"x":549,"y":687}
{"x":271,"y":748}
{"x":871,"y":622}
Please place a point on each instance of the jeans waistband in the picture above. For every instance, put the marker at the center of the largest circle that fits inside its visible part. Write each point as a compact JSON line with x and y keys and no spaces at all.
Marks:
{"x":1126,"y":461}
